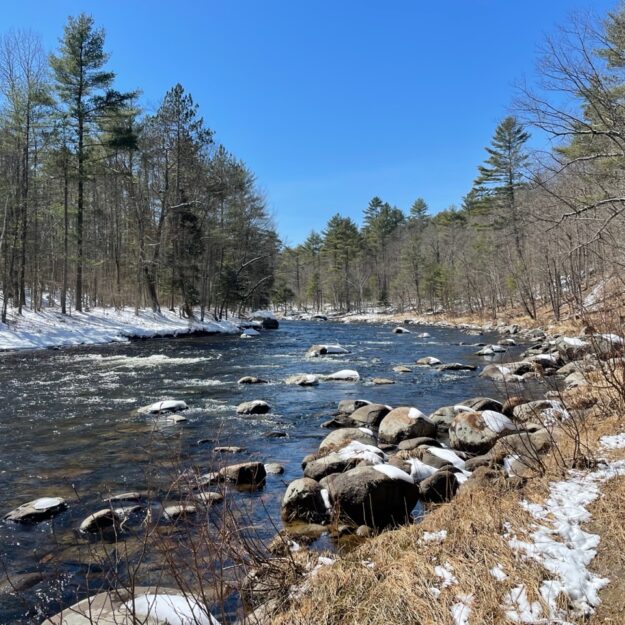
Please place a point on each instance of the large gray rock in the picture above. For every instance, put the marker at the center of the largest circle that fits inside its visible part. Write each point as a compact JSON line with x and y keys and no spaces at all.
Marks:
{"x":257,"y":406}
{"x":482,"y":403}
{"x":403,"y":423}
{"x":522,"y":444}
{"x":443,"y":416}
{"x":303,"y":501}
{"x":374,"y":496}
{"x":370,"y":415}
{"x":340,"y":438}
{"x":455,"y":366}
{"x":37,"y":510}
{"x":477,"y":432}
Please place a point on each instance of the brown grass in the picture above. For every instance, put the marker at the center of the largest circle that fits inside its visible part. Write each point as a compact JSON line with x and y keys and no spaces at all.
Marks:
{"x":397,"y":589}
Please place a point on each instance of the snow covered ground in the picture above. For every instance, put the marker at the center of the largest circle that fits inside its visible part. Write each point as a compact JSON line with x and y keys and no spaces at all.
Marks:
{"x":50,"y":328}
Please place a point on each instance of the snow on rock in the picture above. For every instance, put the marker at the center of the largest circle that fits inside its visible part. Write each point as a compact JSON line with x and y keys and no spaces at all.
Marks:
{"x":49,"y":328}
{"x":393,"y":472}
{"x":357,"y":450}
{"x":170,"y":609}
{"x":262,"y":314}
{"x":447,"y":454}
{"x":496,"y":421}
{"x":345,"y":375}
{"x":613,"y":339}
{"x":559,"y":544}
{"x":415,"y":413}
{"x":169,"y":405}
{"x":572,"y":341}
{"x":419,"y":471}
{"x":250,"y":332}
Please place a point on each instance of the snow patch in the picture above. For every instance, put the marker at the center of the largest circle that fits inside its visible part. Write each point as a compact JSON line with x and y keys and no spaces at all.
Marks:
{"x":434,"y":537}
{"x":415,"y":413}
{"x":170,"y":609}
{"x":393,"y":472}
{"x":613,"y":442}
{"x":496,"y":421}
{"x":447,"y":454}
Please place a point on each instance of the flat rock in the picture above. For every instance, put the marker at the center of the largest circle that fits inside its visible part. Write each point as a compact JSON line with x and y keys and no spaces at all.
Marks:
{"x":233,"y":449}
{"x":37,"y":510}
{"x":209,"y":497}
{"x":455,"y":366}
{"x":382,"y":381}
{"x":176,"y":511}
{"x":249,"y":379}
{"x":429,"y":361}
{"x":402,"y":369}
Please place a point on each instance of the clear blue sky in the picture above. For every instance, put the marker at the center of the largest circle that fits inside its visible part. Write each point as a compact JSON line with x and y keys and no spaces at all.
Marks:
{"x":329,"y":102}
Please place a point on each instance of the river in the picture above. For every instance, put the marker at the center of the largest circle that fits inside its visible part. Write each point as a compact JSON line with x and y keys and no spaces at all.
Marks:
{"x":69,"y":426}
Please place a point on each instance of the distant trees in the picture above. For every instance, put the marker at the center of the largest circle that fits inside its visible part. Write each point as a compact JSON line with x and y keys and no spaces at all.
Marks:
{"x":132,"y":208}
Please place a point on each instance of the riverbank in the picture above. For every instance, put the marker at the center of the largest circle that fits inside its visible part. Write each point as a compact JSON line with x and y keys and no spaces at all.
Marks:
{"x":549,"y":551}
{"x":50,"y":328}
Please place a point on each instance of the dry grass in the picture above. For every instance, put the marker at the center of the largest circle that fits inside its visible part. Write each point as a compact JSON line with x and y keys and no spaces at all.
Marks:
{"x":397,"y":588}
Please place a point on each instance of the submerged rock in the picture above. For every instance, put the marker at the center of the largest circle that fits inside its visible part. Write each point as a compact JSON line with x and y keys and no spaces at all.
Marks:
{"x":249,"y":379}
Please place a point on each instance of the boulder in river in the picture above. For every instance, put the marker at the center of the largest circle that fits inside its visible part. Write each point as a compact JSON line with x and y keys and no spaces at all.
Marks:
{"x":168,"y":405}
{"x":381,"y":381}
{"x":429,"y":361}
{"x":244,"y":474}
{"x":477,"y":432}
{"x":257,"y":406}
{"x":174,"y":512}
{"x":351,"y":455}
{"x":304,"y":501}
{"x":345,"y":375}
{"x":376,"y":496}
{"x":274,"y":468}
{"x":100,"y":520}
{"x":302,"y":379}
{"x":369,"y":415}
{"x":402,"y":369}
{"x":327,"y":349}
{"x":37,"y":510}
{"x":403,"y":423}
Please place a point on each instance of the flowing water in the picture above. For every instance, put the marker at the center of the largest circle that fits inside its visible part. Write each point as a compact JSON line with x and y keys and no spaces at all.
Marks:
{"x":69,"y":426}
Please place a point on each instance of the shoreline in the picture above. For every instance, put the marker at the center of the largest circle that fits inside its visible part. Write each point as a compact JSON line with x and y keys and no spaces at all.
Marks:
{"x":49,"y":329}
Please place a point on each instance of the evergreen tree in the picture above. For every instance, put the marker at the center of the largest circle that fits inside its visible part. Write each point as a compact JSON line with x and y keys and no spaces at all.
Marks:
{"x":87,"y":99}
{"x":502,"y":174}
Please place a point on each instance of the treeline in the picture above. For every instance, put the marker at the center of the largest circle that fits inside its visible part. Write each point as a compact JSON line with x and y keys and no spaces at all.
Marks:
{"x":103,"y":204}
{"x":536,"y":231}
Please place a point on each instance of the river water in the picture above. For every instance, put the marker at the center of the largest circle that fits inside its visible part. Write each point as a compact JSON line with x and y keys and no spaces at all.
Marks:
{"x":69,"y":426}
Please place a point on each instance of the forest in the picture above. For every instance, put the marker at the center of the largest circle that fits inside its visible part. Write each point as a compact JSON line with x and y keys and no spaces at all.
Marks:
{"x":103,"y":204}
{"x":537,"y":230}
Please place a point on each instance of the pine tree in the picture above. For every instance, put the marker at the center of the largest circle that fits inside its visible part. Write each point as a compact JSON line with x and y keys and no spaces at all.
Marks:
{"x":84,"y":90}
